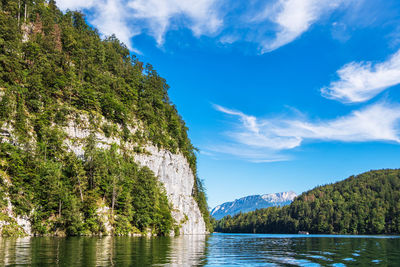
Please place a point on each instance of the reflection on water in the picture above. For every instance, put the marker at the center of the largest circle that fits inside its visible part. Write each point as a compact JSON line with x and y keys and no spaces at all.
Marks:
{"x":103,"y":251}
{"x":199,"y":250}
{"x":189,"y":250}
{"x":296,"y":250}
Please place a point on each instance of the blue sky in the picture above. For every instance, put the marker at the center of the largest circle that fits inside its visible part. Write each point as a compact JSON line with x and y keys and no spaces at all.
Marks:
{"x":278,"y":95}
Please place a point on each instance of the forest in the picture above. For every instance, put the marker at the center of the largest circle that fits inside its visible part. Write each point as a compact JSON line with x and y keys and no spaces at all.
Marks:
{"x":368,"y":203}
{"x":55,"y":68}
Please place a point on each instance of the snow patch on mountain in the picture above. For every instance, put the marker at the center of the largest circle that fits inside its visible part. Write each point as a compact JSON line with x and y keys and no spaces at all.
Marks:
{"x":250,"y":203}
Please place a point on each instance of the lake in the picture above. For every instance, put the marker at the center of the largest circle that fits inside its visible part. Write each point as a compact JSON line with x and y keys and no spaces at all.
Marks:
{"x":211,"y":250}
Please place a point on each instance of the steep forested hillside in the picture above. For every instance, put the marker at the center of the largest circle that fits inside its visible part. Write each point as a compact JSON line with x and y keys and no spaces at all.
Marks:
{"x":55,"y":69}
{"x":365,"y":204}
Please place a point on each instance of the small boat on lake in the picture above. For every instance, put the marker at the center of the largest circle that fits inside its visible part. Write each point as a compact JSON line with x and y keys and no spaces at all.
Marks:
{"x":303,"y":233}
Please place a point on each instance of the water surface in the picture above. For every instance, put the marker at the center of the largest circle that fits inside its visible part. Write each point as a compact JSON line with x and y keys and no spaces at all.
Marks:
{"x":212,"y":250}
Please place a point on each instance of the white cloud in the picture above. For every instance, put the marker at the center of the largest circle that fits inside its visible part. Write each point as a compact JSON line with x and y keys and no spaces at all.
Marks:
{"x":112,"y":18}
{"x":250,"y":122}
{"x":128,"y":18}
{"x":293,"y":17}
{"x":229,"y":39}
{"x":202,"y":16}
{"x":256,"y":155}
{"x":361,"y":81}
{"x":75,"y":4}
{"x":278,"y":24}
{"x":268,"y":137}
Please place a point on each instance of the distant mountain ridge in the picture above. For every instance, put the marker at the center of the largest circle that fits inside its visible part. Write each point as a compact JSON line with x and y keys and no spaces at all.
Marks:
{"x":250,"y":203}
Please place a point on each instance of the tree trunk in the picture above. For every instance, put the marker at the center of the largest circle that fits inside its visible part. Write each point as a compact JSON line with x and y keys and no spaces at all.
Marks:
{"x":113,"y":200}
{"x":59,"y":208}
{"x":19,"y":11}
{"x":25,"y":13}
{"x":80,"y":189}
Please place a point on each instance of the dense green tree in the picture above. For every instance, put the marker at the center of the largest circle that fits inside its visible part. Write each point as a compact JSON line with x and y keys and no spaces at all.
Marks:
{"x":55,"y":69}
{"x":365,"y":204}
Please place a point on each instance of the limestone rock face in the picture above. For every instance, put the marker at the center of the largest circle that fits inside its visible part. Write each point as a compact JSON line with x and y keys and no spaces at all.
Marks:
{"x":174,"y":172}
{"x":22,"y":221}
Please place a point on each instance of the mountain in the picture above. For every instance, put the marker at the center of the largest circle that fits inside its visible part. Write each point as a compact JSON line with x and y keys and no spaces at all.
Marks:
{"x":90,"y":143}
{"x":364,"y":204}
{"x":250,"y":203}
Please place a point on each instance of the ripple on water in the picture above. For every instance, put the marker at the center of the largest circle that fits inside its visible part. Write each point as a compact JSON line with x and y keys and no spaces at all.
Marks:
{"x":213,"y":250}
{"x":338,"y":265}
{"x":319,"y":257}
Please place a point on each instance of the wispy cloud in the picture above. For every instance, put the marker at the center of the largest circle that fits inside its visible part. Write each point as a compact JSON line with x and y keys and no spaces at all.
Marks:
{"x":278,"y":23}
{"x":258,"y":133}
{"x":263,"y":138}
{"x":75,"y":4}
{"x":201,"y":15}
{"x":241,"y":151}
{"x":361,"y":81}
{"x":293,"y":18}
{"x":128,"y":18}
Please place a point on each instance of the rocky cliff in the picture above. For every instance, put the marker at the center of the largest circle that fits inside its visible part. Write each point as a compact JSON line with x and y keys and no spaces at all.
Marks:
{"x":172,"y":170}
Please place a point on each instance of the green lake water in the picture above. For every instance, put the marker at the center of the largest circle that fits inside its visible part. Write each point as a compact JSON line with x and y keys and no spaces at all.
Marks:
{"x":211,"y":250}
